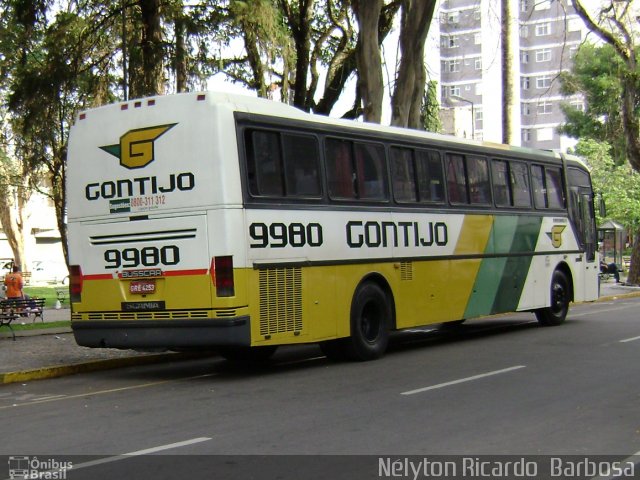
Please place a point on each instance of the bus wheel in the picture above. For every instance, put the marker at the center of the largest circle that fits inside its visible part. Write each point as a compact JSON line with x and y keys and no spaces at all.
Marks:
{"x":247,"y":354}
{"x":560,"y":297}
{"x":370,"y":320}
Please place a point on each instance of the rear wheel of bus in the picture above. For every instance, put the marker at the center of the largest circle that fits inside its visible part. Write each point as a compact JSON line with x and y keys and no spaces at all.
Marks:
{"x":560,"y":293}
{"x":371,"y":314}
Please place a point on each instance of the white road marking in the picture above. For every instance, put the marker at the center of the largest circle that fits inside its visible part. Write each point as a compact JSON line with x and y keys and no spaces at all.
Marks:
{"x":623,"y":306}
{"x":117,"y":458}
{"x":102,"y":392}
{"x":463,"y":380}
{"x":622,"y":463}
{"x":629,"y":339}
{"x":137,"y":453}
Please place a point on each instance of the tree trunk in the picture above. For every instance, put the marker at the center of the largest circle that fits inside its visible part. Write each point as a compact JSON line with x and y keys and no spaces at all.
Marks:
{"x":369,"y":59}
{"x":410,"y":84}
{"x":180,"y":65}
{"x":633,"y":276}
{"x":301,"y":29}
{"x":507,"y":70}
{"x":11,"y":221}
{"x":152,"y":49}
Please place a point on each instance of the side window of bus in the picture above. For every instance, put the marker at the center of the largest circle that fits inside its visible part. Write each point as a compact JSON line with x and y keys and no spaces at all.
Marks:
{"x":520,"y":184}
{"x":282,"y":164}
{"x":479,"y":186}
{"x":501,"y":184}
{"x":539,"y":190}
{"x":553,"y":177}
{"x":548,"y":190}
{"x":510,"y":184}
{"x":371,"y":171}
{"x":430,"y":178}
{"x":468,"y":183}
{"x":456,"y":179}
{"x":355,"y":170}
{"x":341,"y":177}
{"x":264,"y":163}
{"x":302,"y":165}
{"x":403,"y":174}
{"x":421,"y":168}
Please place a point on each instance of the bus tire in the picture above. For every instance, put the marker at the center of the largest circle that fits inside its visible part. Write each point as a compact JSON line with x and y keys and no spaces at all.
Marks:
{"x":556,"y":313}
{"x":370,"y":320}
{"x":247,"y":354}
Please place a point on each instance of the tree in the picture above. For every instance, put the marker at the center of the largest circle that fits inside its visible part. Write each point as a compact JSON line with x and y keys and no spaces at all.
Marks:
{"x":619,"y":184}
{"x":369,"y":59}
{"x":612,"y":22}
{"x":595,"y":73}
{"x":430,"y":118}
{"x":406,"y":103}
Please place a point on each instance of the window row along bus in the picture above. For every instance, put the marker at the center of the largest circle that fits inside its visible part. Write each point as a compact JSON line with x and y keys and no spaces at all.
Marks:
{"x":209,"y":220}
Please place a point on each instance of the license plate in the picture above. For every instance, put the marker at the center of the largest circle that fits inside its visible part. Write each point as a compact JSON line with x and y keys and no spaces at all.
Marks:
{"x":142,"y":287}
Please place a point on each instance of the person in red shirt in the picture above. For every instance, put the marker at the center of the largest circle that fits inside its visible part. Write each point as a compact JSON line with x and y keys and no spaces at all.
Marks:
{"x":14,"y":283}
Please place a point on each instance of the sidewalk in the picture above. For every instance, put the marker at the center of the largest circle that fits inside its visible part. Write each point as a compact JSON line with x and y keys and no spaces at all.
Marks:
{"x":53,"y":352}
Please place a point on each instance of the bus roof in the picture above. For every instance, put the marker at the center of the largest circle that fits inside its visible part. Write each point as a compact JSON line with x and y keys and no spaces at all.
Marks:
{"x":261,"y":106}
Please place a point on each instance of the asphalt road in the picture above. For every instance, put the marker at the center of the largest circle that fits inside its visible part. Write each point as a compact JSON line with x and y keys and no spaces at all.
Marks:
{"x":503,"y":386}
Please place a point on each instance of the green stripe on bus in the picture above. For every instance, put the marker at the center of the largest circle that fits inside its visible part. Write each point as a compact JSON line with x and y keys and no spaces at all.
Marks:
{"x":498,"y":285}
{"x":487,"y":282}
{"x":516,"y":269}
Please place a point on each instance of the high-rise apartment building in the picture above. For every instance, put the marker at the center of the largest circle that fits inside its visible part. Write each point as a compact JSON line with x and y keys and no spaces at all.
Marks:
{"x":545,"y":36}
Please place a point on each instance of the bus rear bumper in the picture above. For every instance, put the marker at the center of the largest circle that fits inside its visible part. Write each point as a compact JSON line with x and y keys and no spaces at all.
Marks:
{"x":164,"y":334}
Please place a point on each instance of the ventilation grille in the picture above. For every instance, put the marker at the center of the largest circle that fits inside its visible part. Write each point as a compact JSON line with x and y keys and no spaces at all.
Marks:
{"x":280,"y":300}
{"x":160,"y":315}
{"x":406,"y":271}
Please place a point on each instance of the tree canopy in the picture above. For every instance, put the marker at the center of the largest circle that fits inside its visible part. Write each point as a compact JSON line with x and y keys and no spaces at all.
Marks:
{"x":58,"y":57}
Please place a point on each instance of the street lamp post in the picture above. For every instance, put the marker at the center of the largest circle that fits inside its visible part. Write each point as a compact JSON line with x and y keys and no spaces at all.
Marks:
{"x":473,"y":116}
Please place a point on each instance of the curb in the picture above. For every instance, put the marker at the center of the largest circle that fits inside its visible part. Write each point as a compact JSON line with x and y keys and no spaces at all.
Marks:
{"x":94,"y":365}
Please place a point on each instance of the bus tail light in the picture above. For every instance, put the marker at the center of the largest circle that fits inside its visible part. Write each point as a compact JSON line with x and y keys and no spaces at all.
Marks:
{"x":222,"y":276}
{"x":75,"y":283}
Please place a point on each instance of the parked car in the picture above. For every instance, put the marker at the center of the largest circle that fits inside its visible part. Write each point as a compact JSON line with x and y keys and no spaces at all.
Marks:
{"x":46,"y":272}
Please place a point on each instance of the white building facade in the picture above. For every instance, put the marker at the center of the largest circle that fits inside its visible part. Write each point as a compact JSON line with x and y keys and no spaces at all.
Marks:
{"x":545,"y":36}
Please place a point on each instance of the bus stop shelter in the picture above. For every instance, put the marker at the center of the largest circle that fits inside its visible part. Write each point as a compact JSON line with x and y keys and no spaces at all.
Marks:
{"x":611,"y":236}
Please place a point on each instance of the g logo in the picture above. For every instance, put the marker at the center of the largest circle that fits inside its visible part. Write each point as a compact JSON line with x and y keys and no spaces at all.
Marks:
{"x":136,"y":147}
{"x":556,"y":235}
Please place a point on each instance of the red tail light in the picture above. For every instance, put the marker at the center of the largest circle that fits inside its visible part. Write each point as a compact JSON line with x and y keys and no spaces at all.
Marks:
{"x":222,"y":276}
{"x":75,"y":283}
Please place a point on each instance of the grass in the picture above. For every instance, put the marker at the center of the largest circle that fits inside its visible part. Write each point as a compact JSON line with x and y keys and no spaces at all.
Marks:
{"x":37,"y":325}
{"x":50,"y":294}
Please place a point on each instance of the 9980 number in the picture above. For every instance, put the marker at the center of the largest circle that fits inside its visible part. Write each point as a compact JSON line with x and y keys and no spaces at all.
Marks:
{"x":146,"y":257}
{"x":280,"y":235}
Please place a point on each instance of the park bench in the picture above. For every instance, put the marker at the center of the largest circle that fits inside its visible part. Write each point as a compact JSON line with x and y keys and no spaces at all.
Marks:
{"x":63,"y":294}
{"x":23,"y":307}
{"x":5,"y":321}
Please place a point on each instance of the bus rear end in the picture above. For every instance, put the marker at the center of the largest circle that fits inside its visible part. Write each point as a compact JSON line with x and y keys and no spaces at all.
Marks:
{"x":154,"y":205}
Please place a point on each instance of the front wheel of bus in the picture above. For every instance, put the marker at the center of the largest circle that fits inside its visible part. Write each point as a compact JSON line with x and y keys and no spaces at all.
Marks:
{"x":556,"y":313}
{"x":370,"y":319}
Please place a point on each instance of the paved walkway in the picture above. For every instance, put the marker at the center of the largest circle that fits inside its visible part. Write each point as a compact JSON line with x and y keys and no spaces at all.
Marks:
{"x":53,"y":352}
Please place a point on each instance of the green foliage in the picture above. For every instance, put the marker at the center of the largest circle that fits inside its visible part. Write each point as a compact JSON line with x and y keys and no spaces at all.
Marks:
{"x":597,"y":73}
{"x":618,"y":184}
{"x":430,"y":117}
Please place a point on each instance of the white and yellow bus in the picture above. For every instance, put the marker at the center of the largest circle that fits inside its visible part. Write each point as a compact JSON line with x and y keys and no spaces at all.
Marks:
{"x":208,"y":220}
